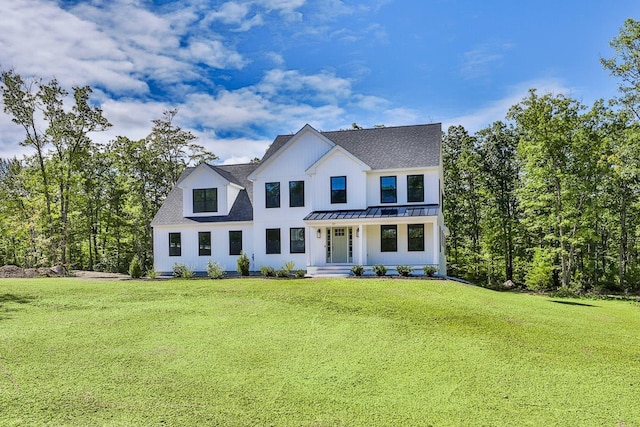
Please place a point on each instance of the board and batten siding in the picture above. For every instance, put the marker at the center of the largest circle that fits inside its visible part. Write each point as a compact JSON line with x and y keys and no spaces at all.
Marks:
{"x":163,"y":263}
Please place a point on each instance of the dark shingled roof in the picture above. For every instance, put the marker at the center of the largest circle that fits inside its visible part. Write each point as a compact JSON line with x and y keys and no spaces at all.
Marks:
{"x":242,"y":209}
{"x":375,"y":212}
{"x":384,"y":148}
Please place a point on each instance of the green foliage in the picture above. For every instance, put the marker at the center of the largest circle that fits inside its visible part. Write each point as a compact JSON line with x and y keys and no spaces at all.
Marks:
{"x":183,"y":271}
{"x":267,"y":271}
{"x":300,"y":273}
{"x":429,"y":271}
{"x":215,"y":270}
{"x":152,"y":274}
{"x":357,"y":270}
{"x":540,"y":275}
{"x":282,"y":273}
{"x":135,"y":268}
{"x":243,"y":263}
{"x":380,"y":270}
{"x":404,"y":270}
{"x":289,"y":266}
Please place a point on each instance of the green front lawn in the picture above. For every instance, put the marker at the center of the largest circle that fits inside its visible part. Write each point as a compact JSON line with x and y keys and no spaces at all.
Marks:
{"x":325,"y":352}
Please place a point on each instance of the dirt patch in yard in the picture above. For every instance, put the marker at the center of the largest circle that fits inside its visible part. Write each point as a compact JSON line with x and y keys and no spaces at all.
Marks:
{"x":15,"y":272}
{"x":99,"y":275}
{"x":12,"y":271}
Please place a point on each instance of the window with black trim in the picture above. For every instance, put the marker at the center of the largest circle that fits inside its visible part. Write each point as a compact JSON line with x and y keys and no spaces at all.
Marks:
{"x":175,"y":247}
{"x":296,"y":240}
{"x":204,"y":243}
{"x":415,"y":188}
{"x":338,"y":189}
{"x":205,"y":200}
{"x":296,"y":194}
{"x":273,"y":240}
{"x":389,"y":238}
{"x":272,"y":193}
{"x":388,"y":189}
{"x":416,"y":237}
{"x":235,"y":242}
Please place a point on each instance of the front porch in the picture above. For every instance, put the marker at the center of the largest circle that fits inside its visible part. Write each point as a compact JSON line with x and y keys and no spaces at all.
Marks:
{"x":389,"y":236}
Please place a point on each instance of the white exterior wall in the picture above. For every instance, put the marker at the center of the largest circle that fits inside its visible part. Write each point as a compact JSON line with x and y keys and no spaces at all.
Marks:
{"x":339,"y":164}
{"x":206,"y":178}
{"x":163,"y":263}
{"x":431,"y":186}
{"x":290,"y":165}
{"x":403,"y":255}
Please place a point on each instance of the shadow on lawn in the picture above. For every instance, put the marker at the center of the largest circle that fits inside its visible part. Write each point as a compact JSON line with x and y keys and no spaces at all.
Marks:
{"x":12,"y":298}
{"x":582,"y":304}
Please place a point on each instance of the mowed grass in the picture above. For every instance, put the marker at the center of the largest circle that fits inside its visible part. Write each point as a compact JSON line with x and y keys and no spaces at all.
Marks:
{"x":324,"y":352}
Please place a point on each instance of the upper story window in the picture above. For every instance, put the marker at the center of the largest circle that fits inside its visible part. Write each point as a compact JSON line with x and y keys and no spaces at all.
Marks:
{"x":338,"y":189}
{"x":175,"y":246}
{"x":296,"y":193}
{"x":272,"y":193}
{"x":388,"y":189}
{"x":205,"y":200}
{"x":415,"y":188}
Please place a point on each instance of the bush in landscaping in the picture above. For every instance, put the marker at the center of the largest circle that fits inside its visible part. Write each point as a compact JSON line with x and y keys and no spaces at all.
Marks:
{"x":182,"y":271}
{"x":151,"y":273}
{"x":404,"y":270}
{"x":215,"y":270}
{"x":135,"y":268}
{"x":267,"y":271}
{"x":357,"y":270}
{"x":282,"y":272}
{"x":243,"y":264}
{"x":300,"y":273}
{"x":380,"y":270}
{"x":289,"y":266}
{"x":429,"y":271}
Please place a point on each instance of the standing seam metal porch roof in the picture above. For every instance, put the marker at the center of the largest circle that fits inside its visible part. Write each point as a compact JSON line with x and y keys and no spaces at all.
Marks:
{"x":375,"y":212}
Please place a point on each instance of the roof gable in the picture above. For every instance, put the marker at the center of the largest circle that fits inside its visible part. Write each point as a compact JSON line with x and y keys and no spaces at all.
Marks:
{"x":202,"y":168}
{"x":283,"y":142}
{"x":336,"y":150}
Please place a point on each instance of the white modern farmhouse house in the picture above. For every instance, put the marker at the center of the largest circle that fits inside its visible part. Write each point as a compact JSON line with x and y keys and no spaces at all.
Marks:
{"x":324,"y":200}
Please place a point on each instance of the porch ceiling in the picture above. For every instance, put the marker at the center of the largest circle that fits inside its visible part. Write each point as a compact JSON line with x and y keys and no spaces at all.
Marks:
{"x":375,"y":212}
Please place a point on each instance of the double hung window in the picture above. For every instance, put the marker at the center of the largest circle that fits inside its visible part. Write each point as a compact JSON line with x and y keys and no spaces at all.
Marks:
{"x":205,"y":200}
{"x":338,"y":189}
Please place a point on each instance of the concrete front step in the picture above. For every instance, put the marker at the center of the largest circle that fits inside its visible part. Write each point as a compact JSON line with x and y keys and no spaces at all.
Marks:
{"x":330,"y":271}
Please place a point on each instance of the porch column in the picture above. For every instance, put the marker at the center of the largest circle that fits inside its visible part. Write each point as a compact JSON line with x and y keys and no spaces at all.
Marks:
{"x":436,"y":244}
{"x":311,"y":231}
{"x":361,"y":245}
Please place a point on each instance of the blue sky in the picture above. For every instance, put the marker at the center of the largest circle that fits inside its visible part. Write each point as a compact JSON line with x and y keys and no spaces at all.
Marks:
{"x":240,"y":72}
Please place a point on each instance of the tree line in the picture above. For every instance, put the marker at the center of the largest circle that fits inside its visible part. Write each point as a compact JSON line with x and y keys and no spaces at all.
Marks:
{"x":72,"y":201}
{"x":550,"y":197}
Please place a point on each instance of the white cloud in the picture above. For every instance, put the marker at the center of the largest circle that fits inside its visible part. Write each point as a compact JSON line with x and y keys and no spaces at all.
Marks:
{"x":478,"y":61}
{"x":233,"y":13}
{"x":497,"y":109}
